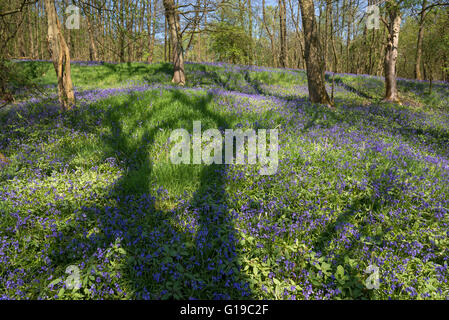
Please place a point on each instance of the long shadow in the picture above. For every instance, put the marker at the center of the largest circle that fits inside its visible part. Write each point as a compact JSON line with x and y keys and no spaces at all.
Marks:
{"x":339,"y":82}
{"x":164,"y":261}
{"x":254,"y":84}
{"x":123,"y":71}
{"x":162,"y":69}
{"x":405,"y":125}
{"x":217,"y":80}
{"x":440,"y":138}
{"x":386,"y":191}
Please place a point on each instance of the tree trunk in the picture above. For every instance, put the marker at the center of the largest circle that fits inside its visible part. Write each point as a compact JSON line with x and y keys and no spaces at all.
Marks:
{"x":301,"y":59}
{"x":30,"y":31}
{"x":283,"y":34}
{"x":348,"y":39}
{"x":60,"y":55}
{"x":93,"y":56}
{"x":153,"y":33}
{"x":418,"y":74}
{"x":250,"y":29}
{"x":198,"y":48}
{"x":121,"y":42}
{"x":150,"y":29}
{"x":326,"y":32}
{"x":334,"y":49}
{"x":207,"y":37}
{"x":391,"y":54}
{"x":270,"y":34}
{"x":129,"y":18}
{"x":165,"y":39}
{"x":313,"y":55}
{"x":140,"y":46}
{"x":341,"y":31}
{"x":67,"y":31}
{"x":178,"y":54}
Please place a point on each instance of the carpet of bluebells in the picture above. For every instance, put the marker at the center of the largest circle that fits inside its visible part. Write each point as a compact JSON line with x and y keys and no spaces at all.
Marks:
{"x":365,"y":184}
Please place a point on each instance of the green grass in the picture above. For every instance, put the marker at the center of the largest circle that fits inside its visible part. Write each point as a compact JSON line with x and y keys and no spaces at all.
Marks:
{"x":363,"y":184}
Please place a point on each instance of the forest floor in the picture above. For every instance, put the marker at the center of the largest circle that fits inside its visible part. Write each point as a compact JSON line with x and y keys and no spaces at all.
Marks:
{"x":361,"y":191}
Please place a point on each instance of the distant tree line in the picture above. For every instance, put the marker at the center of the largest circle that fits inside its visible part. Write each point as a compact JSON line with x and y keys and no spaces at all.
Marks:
{"x":412,"y":39}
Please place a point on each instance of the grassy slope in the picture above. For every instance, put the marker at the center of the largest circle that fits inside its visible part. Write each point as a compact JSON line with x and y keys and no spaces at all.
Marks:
{"x":364,"y":184}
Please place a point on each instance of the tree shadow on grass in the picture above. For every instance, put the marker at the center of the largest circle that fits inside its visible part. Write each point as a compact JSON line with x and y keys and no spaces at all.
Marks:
{"x":186,"y":251}
{"x":159,"y":72}
{"x":124,"y":71}
{"x":387,"y":188}
{"x":339,"y":82}
{"x":415,"y":128}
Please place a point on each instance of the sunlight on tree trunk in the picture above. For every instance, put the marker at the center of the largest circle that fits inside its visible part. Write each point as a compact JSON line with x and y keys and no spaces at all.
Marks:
{"x":59,"y":53}
{"x":313,"y":55}
{"x":178,"y":54}
{"x":282,"y":34}
{"x":391,"y":54}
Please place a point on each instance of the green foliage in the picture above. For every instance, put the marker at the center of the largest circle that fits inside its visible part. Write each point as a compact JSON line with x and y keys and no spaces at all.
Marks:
{"x":230,"y":43}
{"x":348,"y":204}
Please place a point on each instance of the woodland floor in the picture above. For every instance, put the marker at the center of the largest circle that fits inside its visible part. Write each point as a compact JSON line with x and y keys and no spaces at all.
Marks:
{"x":364,"y":184}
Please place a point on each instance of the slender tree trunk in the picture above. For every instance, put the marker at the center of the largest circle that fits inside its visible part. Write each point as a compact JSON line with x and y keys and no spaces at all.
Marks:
{"x":69,"y":38}
{"x":250,"y":29}
{"x":42,"y":28}
{"x":370,"y":61}
{"x":326,"y":32}
{"x":348,"y":40}
{"x":418,"y":74}
{"x":343,"y":16}
{"x":301,"y":59}
{"x":178,"y":54}
{"x":21,"y":32}
{"x":334,"y":49}
{"x":283,"y":34}
{"x":141,"y":11}
{"x":165,"y":39}
{"x":103,"y":34}
{"x":206,"y":53}
{"x":270,"y":34}
{"x":391,"y":54}
{"x":380,"y":54}
{"x":153,"y":33}
{"x":129,"y":28}
{"x":430,"y":74}
{"x":198,"y":48}
{"x":30,"y":33}
{"x":93,"y":55}
{"x":59,"y":53}
{"x":121,"y":42}
{"x":313,"y":55}
{"x":150,"y":32}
